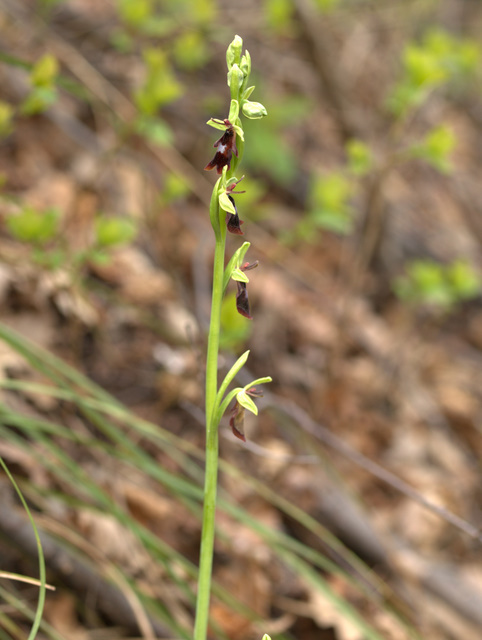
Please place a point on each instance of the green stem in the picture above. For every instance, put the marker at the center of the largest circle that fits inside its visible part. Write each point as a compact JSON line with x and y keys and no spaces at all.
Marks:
{"x":211,"y":472}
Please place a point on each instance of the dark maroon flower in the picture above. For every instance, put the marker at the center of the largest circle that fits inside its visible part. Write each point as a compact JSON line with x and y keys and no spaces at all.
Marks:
{"x":233,"y":222}
{"x":242,"y":302}
{"x":236,"y":422}
{"x":226,"y":146}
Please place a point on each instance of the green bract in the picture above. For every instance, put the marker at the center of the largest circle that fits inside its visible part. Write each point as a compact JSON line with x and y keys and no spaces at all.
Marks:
{"x":235,"y":80}
{"x":234,"y":112}
{"x":246,"y":64}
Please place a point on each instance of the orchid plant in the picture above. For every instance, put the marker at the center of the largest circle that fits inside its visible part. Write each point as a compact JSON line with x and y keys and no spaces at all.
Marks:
{"x":224,"y":218}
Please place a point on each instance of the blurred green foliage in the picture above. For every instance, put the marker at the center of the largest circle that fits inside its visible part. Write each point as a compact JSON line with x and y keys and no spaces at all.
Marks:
{"x":6,"y":119}
{"x":175,"y":187}
{"x":359,"y":157}
{"x":440,"y":59}
{"x":113,"y":231}
{"x":160,"y":86}
{"x":43,"y":92}
{"x":328,"y":205}
{"x":269,"y":150}
{"x":436,"y":147}
{"x":36,"y":227}
{"x":42,"y":230}
{"x":440,"y":286}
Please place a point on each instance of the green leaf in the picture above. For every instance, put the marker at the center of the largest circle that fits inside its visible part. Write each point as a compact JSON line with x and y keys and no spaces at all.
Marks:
{"x":155,"y":130}
{"x":279,"y":14}
{"x":465,"y":282}
{"x":135,"y":14}
{"x":429,"y":282}
{"x":6,"y":117}
{"x":325,"y":6}
{"x":110,"y":232}
{"x":175,"y":187}
{"x":37,"y":227}
{"x":330,"y":191}
{"x":44,"y":71}
{"x":360,"y":158}
{"x":331,"y":220}
{"x":437,"y":146}
{"x":190,"y":50}
{"x":160,"y":86}
{"x":38,"y":100}
{"x":423,"y":68}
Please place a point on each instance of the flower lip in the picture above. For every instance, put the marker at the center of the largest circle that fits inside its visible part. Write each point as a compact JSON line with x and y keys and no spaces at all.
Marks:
{"x":233,"y":223}
{"x":242,"y":301}
{"x":226,"y":146}
{"x":236,"y":422}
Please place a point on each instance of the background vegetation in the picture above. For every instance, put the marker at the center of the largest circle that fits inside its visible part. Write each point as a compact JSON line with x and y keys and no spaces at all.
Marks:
{"x":353,"y":510}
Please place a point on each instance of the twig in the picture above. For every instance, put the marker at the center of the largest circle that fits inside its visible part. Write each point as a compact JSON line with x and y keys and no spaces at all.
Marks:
{"x":323,"y":434}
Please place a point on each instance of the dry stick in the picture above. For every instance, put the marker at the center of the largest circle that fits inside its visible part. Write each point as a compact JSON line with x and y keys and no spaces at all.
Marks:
{"x":322,"y":434}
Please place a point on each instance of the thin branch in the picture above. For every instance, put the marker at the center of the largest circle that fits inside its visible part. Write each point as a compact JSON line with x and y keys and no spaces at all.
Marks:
{"x":325,"y":436}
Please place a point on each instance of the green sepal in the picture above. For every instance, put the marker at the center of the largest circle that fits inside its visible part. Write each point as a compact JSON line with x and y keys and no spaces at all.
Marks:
{"x":239,"y":276}
{"x":239,"y":131}
{"x":263,"y":380}
{"x":216,"y":124}
{"x":245,"y":401}
{"x":226,"y":204}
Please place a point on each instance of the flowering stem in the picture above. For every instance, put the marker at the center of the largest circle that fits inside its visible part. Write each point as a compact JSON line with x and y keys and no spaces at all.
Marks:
{"x":212,"y":423}
{"x":224,"y":216}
